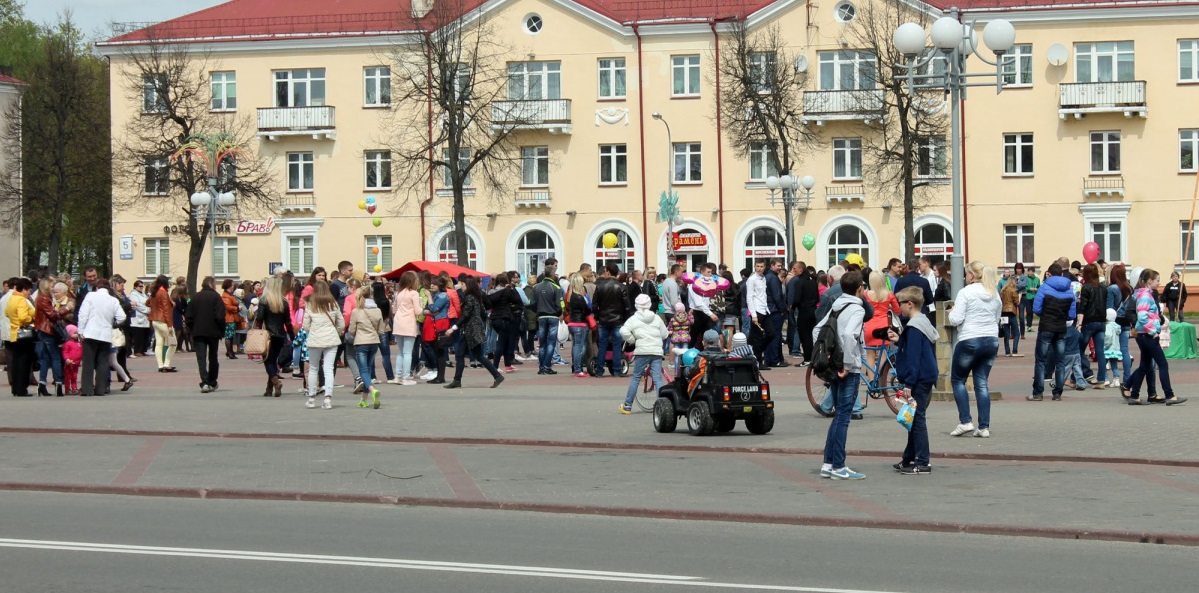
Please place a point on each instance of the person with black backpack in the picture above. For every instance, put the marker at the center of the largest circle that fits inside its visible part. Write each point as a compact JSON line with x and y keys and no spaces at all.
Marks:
{"x":837,"y":359}
{"x":1057,"y":307}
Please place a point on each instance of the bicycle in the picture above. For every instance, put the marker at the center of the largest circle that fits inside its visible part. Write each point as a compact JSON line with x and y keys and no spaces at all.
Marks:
{"x":649,"y":395}
{"x":884,"y":386}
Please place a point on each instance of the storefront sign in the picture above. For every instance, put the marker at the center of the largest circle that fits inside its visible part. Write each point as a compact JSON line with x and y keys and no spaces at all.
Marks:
{"x":614,"y":254}
{"x":765,"y":252}
{"x":934,"y":250}
{"x":220,"y":228}
{"x":256,"y":227}
{"x":690,"y":242}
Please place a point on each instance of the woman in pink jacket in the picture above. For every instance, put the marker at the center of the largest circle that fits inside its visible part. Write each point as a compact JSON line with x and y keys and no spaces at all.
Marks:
{"x":405,"y":309}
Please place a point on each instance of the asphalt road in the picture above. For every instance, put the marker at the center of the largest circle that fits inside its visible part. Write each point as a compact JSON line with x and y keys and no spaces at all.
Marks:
{"x":95,"y":543}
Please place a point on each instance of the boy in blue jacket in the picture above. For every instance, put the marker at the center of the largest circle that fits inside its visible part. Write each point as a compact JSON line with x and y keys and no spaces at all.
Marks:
{"x":916,"y":368}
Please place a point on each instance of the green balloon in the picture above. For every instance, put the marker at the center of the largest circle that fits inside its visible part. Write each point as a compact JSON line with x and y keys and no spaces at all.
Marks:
{"x":377,"y":221}
{"x":809,"y":241}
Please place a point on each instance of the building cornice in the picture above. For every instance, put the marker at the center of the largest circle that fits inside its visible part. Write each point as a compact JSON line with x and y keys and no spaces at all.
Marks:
{"x":1085,"y":14}
{"x":252,"y":45}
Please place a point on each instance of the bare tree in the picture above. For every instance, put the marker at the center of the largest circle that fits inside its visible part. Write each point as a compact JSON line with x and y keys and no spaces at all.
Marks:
{"x":908,"y":149}
{"x":168,"y":84}
{"x":455,"y":114}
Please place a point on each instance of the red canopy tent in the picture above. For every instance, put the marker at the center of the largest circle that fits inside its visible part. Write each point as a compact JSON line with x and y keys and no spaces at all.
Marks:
{"x":432,"y":267}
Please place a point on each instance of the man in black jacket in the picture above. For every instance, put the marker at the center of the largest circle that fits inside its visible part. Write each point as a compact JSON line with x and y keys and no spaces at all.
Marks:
{"x":914,"y":278}
{"x":776,"y":298}
{"x":205,"y":318}
{"x":803,"y":296}
{"x":610,"y":304}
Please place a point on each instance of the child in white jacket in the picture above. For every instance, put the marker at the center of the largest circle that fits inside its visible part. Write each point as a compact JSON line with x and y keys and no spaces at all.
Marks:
{"x":646,"y":332}
{"x":1111,"y":346}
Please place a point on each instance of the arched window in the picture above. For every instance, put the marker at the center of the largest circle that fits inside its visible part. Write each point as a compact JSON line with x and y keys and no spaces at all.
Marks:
{"x":533,"y":248}
{"x":934,"y":241}
{"x":844,"y":240}
{"x":762,"y":244}
{"x":447,"y":250}
{"x":622,"y":254}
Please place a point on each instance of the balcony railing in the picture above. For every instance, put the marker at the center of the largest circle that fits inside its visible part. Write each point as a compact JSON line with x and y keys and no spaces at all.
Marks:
{"x":862,"y":104}
{"x":1081,"y":98}
{"x":552,"y":115}
{"x":319,"y":122}
{"x":533,"y":198}
{"x":844,"y":193}
{"x":298,"y":203}
{"x":1102,"y":186}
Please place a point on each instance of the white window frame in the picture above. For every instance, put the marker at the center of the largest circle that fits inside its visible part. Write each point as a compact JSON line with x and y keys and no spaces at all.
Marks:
{"x":1103,"y":236}
{"x":932,"y":157}
{"x":159,"y":167}
{"x":1017,"y":233}
{"x":625,"y":250}
{"x":384,"y":258}
{"x":937,"y":66}
{"x":379,"y":163}
{"x":1094,"y":55}
{"x":922,"y":245}
{"x":1108,"y":212}
{"x":524,"y":253}
{"x":1184,"y":228}
{"x":1101,"y":139}
{"x":752,"y":244}
{"x":845,"y":152}
{"x":1018,"y":143}
{"x":685,"y":75}
{"x":227,"y":248}
{"x":1190,"y":49}
{"x":688,"y":162}
{"x":610,"y":157}
{"x":152,"y":102}
{"x":1188,"y":141}
{"x":860,"y":66}
{"x":534,"y":166}
{"x":862,"y":248}
{"x":762,"y":65}
{"x":534,"y":80}
{"x":161,"y":248}
{"x":1017,"y":66}
{"x":612,"y":71}
{"x":301,"y":162}
{"x":377,"y":79}
{"x":306,"y":79}
{"x":463,"y":162}
{"x":761,"y":165}
{"x":223,"y":87}
{"x":447,"y":250}
{"x":462,"y":76}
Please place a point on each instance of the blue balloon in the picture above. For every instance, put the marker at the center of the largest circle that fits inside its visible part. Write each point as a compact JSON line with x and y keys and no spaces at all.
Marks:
{"x":690,"y":356}
{"x":370,"y":199}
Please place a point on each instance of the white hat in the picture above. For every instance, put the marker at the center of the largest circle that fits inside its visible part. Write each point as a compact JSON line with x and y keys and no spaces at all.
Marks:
{"x":642,"y":301}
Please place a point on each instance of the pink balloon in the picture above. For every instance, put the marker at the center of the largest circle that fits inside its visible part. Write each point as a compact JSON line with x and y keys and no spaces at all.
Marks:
{"x":1090,"y":252}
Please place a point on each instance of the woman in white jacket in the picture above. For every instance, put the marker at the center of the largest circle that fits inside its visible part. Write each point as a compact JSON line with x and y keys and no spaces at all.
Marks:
{"x":324,"y":324}
{"x":98,"y":315}
{"x":975,"y":313}
{"x":139,"y":325}
{"x":646,"y":332}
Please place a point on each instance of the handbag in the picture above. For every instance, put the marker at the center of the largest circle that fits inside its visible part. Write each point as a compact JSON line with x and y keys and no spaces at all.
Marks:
{"x":60,"y":333}
{"x":444,"y":341}
{"x":25,"y":333}
{"x":258,"y":341}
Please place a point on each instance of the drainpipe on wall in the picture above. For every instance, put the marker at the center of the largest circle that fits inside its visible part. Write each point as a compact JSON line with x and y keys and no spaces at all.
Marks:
{"x":641,"y":131}
{"x":965,"y":210}
{"x":719,"y":154}
{"x":425,"y":202}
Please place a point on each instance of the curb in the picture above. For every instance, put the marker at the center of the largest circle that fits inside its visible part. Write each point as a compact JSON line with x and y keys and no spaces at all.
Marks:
{"x":1172,"y":539}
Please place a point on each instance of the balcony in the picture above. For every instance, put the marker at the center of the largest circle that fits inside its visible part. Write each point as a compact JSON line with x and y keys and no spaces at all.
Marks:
{"x":318,"y":122}
{"x":1080,"y":98}
{"x":297,"y":203}
{"x":552,"y":115}
{"x":864,"y":105}
{"x":1094,"y":187}
{"x":844,"y":193}
{"x":533,"y":198}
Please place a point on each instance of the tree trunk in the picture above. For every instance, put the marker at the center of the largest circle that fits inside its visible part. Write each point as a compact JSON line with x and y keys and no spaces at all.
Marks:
{"x":459,"y":230}
{"x":199,"y":238}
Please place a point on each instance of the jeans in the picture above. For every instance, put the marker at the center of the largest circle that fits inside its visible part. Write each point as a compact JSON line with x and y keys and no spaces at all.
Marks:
{"x":321,"y":359}
{"x":403,"y":365}
{"x":578,"y":348}
{"x":1151,"y":353}
{"x":609,"y":335}
{"x":916,"y":453}
{"x":774,"y":347}
{"x":50,"y":357}
{"x":365,"y":355}
{"x":385,"y":354}
{"x":640,"y":363}
{"x":793,"y":333}
{"x":844,"y":391}
{"x":974,"y":357}
{"x":477,"y":353}
{"x":505,"y":341}
{"x":526,"y":336}
{"x":1045,"y":342}
{"x":1127,"y":354}
{"x":1086,"y":334}
{"x":206,"y":359}
{"x":1025,"y":314}
{"x":1009,"y":328}
{"x":547,"y":340}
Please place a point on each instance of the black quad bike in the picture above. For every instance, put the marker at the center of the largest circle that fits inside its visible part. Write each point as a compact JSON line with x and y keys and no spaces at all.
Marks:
{"x":730,"y":389}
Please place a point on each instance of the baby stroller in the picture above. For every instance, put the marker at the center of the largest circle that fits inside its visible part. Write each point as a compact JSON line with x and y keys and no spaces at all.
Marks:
{"x":622,"y":366}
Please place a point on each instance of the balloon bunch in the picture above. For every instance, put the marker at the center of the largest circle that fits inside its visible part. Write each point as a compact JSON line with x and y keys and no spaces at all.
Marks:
{"x":370,"y":205}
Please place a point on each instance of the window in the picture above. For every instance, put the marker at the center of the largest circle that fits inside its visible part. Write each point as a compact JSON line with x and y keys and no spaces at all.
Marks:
{"x":687,"y":162}
{"x":1103,"y":62}
{"x":463,"y":163}
{"x":847,"y":158}
{"x":1017,"y":66}
{"x":158,"y":257}
{"x":304,"y":87}
{"x":844,"y":12}
{"x":535,"y":80}
{"x":1018,"y":244}
{"x":460,"y":76}
{"x":301,"y":254}
{"x":1188,"y":147}
{"x":685,"y":76}
{"x":378,"y":86}
{"x":447,"y":250}
{"x":611,"y":78}
{"x":534,"y":24}
{"x":157,"y":177}
{"x":299,"y":172}
{"x":761,"y":70}
{"x":1017,"y":154}
{"x":937,"y":66}
{"x":1105,"y":152}
{"x":227,"y":173}
{"x":761,"y":161}
{"x":846,"y":70}
{"x":1187,"y":243}
{"x":1109,"y":236}
{"x":847,"y":239}
{"x":931,"y":157}
{"x":378,"y":252}
{"x":378,"y":169}
{"x":224,"y":256}
{"x":154,"y":93}
{"x":933,"y":241}
{"x":614,"y":163}
{"x":621,"y":254}
{"x":533,"y":248}
{"x":534,"y":165}
{"x":762,"y":244}
{"x":1188,"y":60}
{"x":224,"y":91}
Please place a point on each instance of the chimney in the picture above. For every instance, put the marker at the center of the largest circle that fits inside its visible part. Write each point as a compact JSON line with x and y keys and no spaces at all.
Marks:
{"x":420,"y":8}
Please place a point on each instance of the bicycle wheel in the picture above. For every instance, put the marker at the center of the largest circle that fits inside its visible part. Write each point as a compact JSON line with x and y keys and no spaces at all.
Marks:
{"x":887,"y":387}
{"x":817,"y":390}
{"x":648,"y":395}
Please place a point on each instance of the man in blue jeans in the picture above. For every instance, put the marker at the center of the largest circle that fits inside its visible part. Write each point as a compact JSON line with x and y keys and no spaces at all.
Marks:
{"x":1056,"y":305}
{"x":547,"y":299}
{"x":844,"y":389}
{"x":611,"y":306}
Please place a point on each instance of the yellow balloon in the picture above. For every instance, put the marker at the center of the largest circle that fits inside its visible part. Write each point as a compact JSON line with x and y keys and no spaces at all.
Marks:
{"x":609,"y":240}
{"x":362,"y":204}
{"x":378,"y":268}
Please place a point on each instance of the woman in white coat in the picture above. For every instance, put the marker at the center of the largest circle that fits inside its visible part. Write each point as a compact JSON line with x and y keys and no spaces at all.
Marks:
{"x":139,"y":324}
{"x":975,"y":313}
{"x":324,"y":324}
{"x":646,"y":331}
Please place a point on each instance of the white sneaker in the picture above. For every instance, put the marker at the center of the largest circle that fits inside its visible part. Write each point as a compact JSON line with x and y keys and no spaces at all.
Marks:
{"x":429,"y":376}
{"x":518,"y":357}
{"x":963,"y":429}
{"x":983,"y":433}
{"x":408,"y":383}
{"x":311,"y":403}
{"x":328,"y":403}
{"x":395,"y":381}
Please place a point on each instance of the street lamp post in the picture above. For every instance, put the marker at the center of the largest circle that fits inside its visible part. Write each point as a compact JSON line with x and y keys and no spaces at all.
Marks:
{"x":210,"y":150}
{"x":955,"y":42}
{"x":214,"y":202}
{"x":668,"y":208}
{"x":792,"y":192}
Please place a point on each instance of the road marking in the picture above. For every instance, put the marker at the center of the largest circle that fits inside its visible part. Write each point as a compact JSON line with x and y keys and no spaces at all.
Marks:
{"x":498,"y":569}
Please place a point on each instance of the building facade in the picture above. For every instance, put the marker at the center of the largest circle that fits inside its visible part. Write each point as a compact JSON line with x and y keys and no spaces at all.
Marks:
{"x":1067,"y":153}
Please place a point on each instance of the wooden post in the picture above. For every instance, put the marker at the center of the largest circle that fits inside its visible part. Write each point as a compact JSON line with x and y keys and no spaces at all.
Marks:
{"x":943,"y":390}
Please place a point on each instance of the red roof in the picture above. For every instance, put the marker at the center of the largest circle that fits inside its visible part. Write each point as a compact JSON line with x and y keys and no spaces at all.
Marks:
{"x":10,"y":80}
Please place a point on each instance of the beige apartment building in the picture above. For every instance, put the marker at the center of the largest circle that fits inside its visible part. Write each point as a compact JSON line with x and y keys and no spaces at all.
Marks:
{"x":1093,"y":138}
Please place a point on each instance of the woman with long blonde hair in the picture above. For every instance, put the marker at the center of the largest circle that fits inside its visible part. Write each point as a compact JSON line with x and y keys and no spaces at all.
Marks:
{"x":274,"y":315}
{"x":976,"y":314}
{"x":883,"y":301}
